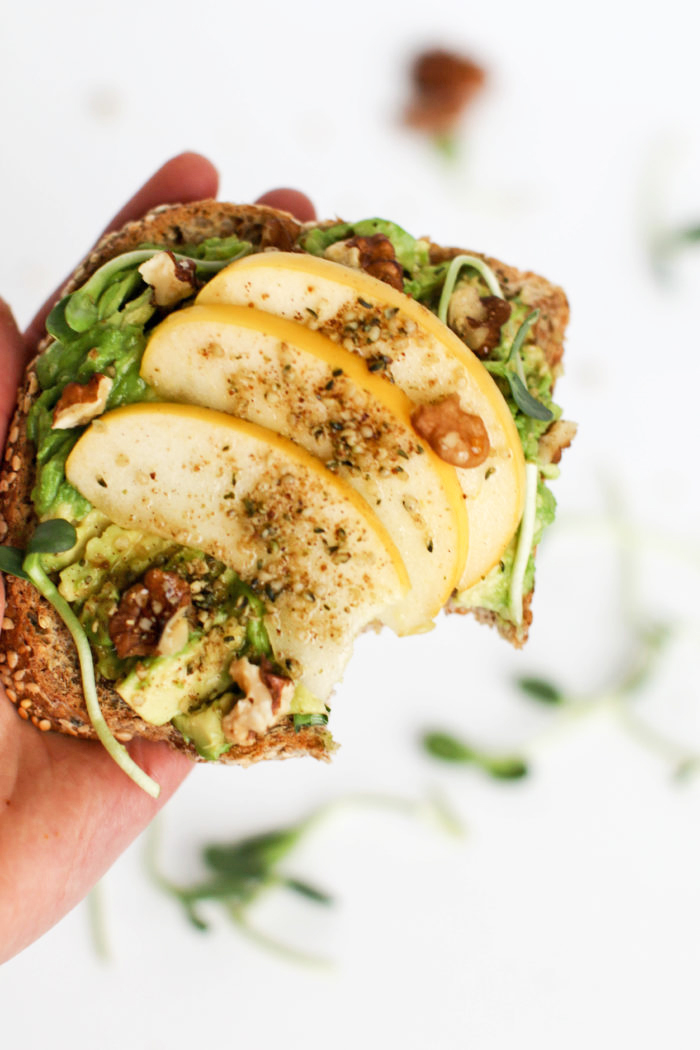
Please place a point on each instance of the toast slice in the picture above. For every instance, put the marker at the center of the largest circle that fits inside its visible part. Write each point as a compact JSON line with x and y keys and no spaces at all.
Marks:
{"x":38,"y":662}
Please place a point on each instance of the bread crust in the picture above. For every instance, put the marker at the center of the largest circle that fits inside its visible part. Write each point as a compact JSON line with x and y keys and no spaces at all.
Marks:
{"x":38,"y":662}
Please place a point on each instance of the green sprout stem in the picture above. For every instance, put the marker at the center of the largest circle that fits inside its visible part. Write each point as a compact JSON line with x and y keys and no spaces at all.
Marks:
{"x":237,"y":914}
{"x":518,"y":342}
{"x":98,"y":922}
{"x":452,"y":274}
{"x":524,"y":547}
{"x":35,"y":571}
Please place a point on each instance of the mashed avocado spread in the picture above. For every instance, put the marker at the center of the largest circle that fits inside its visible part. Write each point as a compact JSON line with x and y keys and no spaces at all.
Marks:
{"x":102,"y":329}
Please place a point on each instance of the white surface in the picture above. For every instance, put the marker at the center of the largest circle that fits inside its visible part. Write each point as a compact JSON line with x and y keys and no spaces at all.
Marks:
{"x":569,"y":916}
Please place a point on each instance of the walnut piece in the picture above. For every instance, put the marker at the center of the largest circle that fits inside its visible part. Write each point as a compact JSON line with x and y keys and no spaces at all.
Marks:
{"x":276,"y":236}
{"x":275,"y":683}
{"x":268,"y":698}
{"x":147,"y":616}
{"x":444,"y":84}
{"x":458,"y":437}
{"x":477,"y":320}
{"x":171,"y":279}
{"x":555,"y":439}
{"x":81,"y":402}
{"x":342,"y":252}
{"x":375,"y":255}
{"x":174,"y":635}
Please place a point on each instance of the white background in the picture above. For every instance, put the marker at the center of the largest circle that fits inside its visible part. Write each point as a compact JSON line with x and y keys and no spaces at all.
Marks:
{"x":568,"y":913}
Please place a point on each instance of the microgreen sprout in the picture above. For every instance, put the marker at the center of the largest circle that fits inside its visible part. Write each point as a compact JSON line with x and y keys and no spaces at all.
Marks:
{"x":666,"y":245}
{"x":313,"y":719}
{"x":54,"y":537}
{"x":239,"y":872}
{"x":540,"y":689}
{"x":448,"y":748}
{"x":474,"y":263}
{"x":523,"y":549}
{"x":97,"y":918}
{"x":650,"y":641}
{"x":11,"y":559}
{"x":513,"y":372}
{"x":80,"y":309}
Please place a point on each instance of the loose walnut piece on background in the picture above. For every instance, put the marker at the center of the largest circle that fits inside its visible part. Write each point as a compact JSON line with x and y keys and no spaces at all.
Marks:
{"x":81,"y":402}
{"x":444,"y":83}
{"x":458,"y":437}
{"x":145,"y":613}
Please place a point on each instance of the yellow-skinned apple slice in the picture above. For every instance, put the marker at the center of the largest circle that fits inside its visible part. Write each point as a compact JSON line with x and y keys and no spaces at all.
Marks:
{"x":261,"y":505}
{"x":404,"y":341}
{"x":281,"y":375}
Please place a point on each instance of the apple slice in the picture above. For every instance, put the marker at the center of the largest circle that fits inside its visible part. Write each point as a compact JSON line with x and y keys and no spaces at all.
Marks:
{"x":403,"y":340}
{"x":261,"y":505}
{"x":280,"y":375}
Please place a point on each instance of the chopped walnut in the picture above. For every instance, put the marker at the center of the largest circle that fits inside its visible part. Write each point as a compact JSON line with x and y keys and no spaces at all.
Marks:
{"x":146,"y":616}
{"x":268,"y":698}
{"x":171,"y":279}
{"x":476,"y":319}
{"x":444,"y":84}
{"x":458,"y":437}
{"x":81,"y":402}
{"x":276,"y":235}
{"x":343,"y":252}
{"x":375,"y":255}
{"x":275,"y":682}
{"x":555,"y":439}
{"x":174,"y":635}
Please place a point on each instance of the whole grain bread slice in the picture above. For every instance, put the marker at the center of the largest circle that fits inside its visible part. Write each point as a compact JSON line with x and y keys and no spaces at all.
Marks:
{"x":38,"y":663}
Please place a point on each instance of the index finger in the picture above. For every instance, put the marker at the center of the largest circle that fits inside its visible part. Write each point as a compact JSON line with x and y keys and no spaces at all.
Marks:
{"x":187,"y":177}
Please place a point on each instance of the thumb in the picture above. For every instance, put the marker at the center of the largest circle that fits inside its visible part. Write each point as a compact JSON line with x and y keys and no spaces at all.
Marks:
{"x":12,"y":355}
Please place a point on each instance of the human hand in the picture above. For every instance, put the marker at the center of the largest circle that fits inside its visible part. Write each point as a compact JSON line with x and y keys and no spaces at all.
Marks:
{"x":66,"y":810}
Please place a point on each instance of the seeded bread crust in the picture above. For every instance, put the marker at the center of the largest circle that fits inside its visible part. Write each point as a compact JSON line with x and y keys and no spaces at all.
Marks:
{"x":38,"y":663}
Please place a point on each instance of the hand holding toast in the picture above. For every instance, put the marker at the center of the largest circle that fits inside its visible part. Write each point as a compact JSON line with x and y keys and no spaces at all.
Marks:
{"x":66,"y":810}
